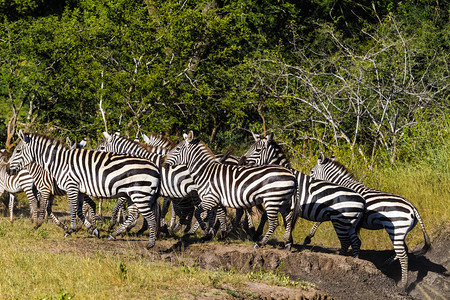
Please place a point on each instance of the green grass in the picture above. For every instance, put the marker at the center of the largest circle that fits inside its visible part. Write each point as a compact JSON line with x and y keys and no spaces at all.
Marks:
{"x":41,"y":264}
{"x":425,"y":184}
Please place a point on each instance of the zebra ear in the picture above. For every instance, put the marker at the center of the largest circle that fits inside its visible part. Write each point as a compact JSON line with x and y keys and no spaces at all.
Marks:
{"x":107,"y":136}
{"x":321,"y":158}
{"x":23,"y":136}
{"x":117,"y":133}
{"x":256,"y":136}
{"x":332,"y":157}
{"x":70,"y":144}
{"x":189,"y":137}
{"x":146,"y":139}
{"x":269,"y":137}
{"x":83,"y":143}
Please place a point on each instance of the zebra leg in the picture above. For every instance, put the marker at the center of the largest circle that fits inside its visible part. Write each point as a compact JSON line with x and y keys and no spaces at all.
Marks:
{"x":237,"y":219}
{"x":72,"y":196}
{"x":120,"y":203}
{"x":133,"y":214}
{"x":261,"y":225}
{"x":11,"y":207}
{"x":287,"y":218}
{"x":222,"y":217}
{"x":164,"y":211}
{"x":90,"y":227}
{"x":342,"y":231}
{"x":89,"y":208}
{"x":150,"y":210}
{"x":355,"y":242}
{"x":51,"y":215}
{"x":311,"y":233}
{"x":272,"y":216}
{"x":401,"y":253}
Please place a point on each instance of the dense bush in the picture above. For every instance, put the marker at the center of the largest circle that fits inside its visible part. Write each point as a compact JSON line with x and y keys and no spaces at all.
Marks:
{"x":367,"y":78}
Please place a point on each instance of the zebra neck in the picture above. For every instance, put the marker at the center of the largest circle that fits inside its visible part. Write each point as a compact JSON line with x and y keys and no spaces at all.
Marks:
{"x":51,"y":158}
{"x":199,"y":162}
{"x":351,"y":183}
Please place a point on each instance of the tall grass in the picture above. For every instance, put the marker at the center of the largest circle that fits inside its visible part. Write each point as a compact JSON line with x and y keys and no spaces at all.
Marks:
{"x":424,"y":180}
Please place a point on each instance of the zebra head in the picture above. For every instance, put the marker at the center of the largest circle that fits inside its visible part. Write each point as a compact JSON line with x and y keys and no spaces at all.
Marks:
{"x":265,"y":151}
{"x":182,"y":153}
{"x":22,"y":154}
{"x":109,"y":144}
{"x":323,"y":170}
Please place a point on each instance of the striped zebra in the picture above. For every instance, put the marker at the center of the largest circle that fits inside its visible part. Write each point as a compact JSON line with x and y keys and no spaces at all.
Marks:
{"x":316,"y":200}
{"x":395,"y":214}
{"x":176,"y":182}
{"x":21,"y":182}
{"x":47,"y":189}
{"x":38,"y":185}
{"x":97,"y":174}
{"x":235,"y":186}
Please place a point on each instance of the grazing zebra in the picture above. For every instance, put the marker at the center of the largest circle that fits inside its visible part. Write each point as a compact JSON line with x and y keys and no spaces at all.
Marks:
{"x":395,"y":214}
{"x":176,"y":182}
{"x":18,"y":183}
{"x":316,"y":200}
{"x":98,"y":174}
{"x":235,"y":186}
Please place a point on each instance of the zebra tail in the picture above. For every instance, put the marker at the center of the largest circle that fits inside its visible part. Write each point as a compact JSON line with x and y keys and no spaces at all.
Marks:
{"x":295,"y":205}
{"x":157,"y":213}
{"x":427,"y":244}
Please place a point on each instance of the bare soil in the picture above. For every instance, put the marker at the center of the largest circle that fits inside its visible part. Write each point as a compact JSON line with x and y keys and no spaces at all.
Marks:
{"x":334,"y":276}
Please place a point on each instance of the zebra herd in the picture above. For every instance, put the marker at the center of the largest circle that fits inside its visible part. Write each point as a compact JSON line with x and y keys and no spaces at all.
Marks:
{"x":202,"y":185}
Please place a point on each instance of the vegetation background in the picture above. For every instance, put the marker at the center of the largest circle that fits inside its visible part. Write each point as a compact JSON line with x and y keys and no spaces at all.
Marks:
{"x":367,"y":81}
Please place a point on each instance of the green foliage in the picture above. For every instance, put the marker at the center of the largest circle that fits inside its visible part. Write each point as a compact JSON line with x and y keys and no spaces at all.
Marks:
{"x":321,"y":74}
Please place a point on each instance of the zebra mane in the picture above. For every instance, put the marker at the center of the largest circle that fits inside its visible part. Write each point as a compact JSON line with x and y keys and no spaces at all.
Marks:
{"x":277,"y":147}
{"x":203,"y":146}
{"x":160,"y":138}
{"x":152,"y":149}
{"x":339,"y":166}
{"x":46,"y":138}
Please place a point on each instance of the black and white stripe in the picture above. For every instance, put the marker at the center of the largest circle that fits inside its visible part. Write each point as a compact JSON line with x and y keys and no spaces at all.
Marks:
{"x":235,"y":186}
{"x":316,"y":200}
{"x":97,"y":174}
{"x":20,"y":182}
{"x":47,"y":189}
{"x":395,"y":214}
{"x":176,"y":182}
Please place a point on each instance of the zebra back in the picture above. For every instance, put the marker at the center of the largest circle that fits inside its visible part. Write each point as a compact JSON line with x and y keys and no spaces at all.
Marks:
{"x":175,"y":182}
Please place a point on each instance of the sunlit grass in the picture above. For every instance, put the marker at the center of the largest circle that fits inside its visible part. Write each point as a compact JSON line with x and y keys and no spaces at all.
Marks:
{"x":41,"y":264}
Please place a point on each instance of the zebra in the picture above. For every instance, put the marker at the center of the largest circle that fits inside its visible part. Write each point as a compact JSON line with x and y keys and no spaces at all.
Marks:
{"x":38,"y":186}
{"x":47,"y":189}
{"x":98,"y":174}
{"x":235,"y":186}
{"x":176,"y":182}
{"x":316,"y":200}
{"x":22,"y":181}
{"x":395,"y":214}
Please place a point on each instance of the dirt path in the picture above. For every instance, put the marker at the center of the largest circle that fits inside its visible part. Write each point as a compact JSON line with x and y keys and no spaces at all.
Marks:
{"x":334,"y":276}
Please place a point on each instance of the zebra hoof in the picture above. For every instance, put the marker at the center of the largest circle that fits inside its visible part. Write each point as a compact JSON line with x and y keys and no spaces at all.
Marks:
{"x":307,"y":241}
{"x":256,"y":246}
{"x":111,"y":238}
{"x":288,"y":246}
{"x":96,"y":233}
{"x":67,"y":234}
{"x":150,"y":245}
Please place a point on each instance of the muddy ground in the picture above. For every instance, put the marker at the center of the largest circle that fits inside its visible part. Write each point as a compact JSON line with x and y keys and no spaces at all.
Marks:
{"x":334,"y":276}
